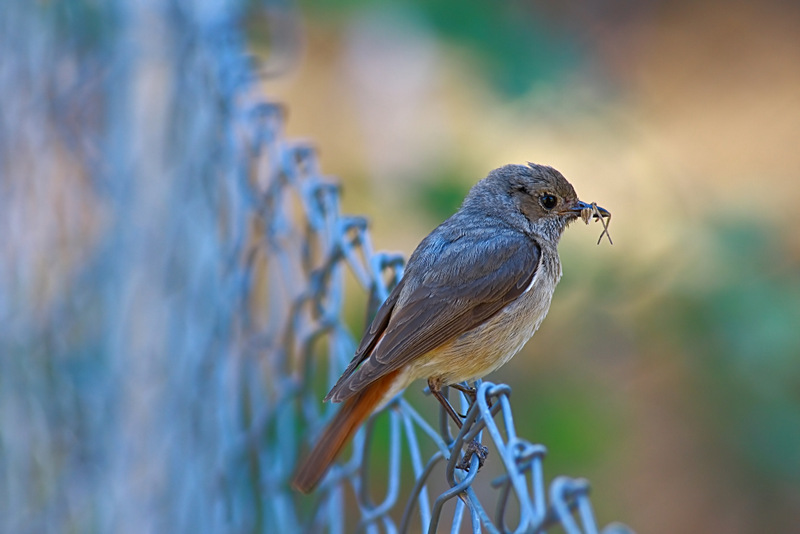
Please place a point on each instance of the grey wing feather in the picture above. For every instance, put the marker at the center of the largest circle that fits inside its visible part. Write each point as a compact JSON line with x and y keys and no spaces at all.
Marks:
{"x":446,"y":304}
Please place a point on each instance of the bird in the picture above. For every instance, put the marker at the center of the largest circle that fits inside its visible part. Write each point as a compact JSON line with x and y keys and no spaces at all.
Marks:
{"x":473,"y":293}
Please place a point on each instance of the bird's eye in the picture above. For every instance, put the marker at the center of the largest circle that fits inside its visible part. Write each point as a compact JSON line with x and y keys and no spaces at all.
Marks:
{"x":548,"y":202}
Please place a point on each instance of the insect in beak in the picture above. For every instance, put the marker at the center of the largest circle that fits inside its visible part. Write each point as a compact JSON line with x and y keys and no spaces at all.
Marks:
{"x":588,"y":211}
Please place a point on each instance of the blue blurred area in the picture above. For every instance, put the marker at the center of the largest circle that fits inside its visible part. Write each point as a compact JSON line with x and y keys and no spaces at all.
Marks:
{"x":115,"y":305}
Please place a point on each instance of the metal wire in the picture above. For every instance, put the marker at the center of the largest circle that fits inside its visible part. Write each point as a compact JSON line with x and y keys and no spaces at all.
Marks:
{"x":172,"y":291}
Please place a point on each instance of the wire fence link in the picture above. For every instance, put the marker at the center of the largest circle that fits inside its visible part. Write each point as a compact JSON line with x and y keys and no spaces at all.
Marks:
{"x":172,"y":290}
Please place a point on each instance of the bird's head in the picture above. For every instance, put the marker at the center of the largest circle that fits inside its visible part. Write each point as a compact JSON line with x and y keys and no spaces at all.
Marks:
{"x":534,"y":198}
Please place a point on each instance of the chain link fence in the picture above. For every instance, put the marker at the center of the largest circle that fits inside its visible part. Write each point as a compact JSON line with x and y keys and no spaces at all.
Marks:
{"x":171,"y":304}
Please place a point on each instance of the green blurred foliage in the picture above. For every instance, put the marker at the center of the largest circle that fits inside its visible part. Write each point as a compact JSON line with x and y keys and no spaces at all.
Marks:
{"x":441,"y":196}
{"x":577,"y":430}
{"x":512,"y":42}
{"x":741,"y":335}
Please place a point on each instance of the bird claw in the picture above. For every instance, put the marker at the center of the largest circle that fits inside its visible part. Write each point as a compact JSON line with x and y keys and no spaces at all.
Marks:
{"x":473,"y":448}
{"x":470,"y":392}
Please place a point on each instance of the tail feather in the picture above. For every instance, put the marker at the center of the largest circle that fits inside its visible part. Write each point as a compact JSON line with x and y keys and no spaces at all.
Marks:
{"x":338,"y":432}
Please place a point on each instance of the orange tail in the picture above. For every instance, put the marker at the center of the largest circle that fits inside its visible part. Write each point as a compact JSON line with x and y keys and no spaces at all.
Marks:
{"x":336,"y":435}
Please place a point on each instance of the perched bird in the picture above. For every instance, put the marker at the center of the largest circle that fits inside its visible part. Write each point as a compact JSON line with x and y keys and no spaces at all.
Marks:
{"x":474,"y":291}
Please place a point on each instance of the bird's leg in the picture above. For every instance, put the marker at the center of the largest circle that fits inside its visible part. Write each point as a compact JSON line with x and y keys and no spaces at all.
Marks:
{"x":466,"y":390}
{"x":474,"y":447}
{"x":436,"y":390}
{"x":470,"y":392}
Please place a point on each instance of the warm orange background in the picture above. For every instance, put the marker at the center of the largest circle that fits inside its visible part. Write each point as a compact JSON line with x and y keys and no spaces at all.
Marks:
{"x":668,"y":371}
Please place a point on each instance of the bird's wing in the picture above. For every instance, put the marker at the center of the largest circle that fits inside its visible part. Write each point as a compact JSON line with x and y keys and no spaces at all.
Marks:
{"x":371,"y":337}
{"x":465,"y":286}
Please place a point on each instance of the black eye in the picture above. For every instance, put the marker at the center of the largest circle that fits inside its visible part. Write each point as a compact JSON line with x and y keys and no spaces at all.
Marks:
{"x":548,"y":202}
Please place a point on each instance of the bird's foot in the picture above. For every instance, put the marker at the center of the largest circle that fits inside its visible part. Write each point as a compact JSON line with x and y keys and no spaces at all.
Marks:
{"x":435,"y":387}
{"x":470,"y":392}
{"x":474,"y":448}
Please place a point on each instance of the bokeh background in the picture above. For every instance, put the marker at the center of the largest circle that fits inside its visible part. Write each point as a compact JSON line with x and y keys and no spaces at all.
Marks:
{"x":131,"y":353}
{"x":668,"y":370}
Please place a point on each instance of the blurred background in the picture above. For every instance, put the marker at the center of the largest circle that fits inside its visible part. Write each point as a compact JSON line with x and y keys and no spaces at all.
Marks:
{"x":668,"y":370}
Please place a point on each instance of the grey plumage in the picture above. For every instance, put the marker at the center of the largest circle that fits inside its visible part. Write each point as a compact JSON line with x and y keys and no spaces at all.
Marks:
{"x":474,"y":291}
{"x":464,"y":272}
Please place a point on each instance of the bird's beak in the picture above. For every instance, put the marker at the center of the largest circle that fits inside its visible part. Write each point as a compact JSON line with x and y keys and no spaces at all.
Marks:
{"x":601,"y":212}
